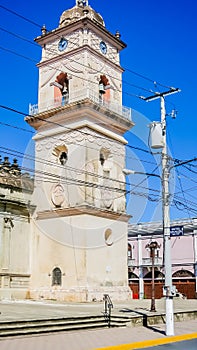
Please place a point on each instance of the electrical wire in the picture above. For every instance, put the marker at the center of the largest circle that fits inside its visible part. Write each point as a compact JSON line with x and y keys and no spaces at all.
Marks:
{"x":140,"y":75}
{"x":78,"y":144}
{"x":179,"y":179}
{"x":45,"y":162}
{"x":69,"y":59}
{"x":19,"y":37}
{"x":66,"y":127}
{"x":20,"y":16}
{"x":126,"y":69}
{"x":18,"y":54}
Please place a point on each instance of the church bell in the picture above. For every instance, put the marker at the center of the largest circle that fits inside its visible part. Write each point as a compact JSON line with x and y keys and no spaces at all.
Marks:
{"x":101,"y":88}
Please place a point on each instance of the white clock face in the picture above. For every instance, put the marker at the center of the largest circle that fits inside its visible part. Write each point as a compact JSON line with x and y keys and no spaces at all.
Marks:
{"x":103,"y":47}
{"x":62,"y":45}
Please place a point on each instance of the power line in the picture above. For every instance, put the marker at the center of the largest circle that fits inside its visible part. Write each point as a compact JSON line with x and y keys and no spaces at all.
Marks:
{"x":18,"y":54}
{"x":127,"y":69}
{"x":146,"y":78}
{"x":71,"y":60}
{"x":80,"y":145}
{"x":63,"y":126}
{"x":20,"y":16}
{"x":17,"y":127}
{"x":48,"y":177}
{"x":69,"y":168}
{"x":20,"y":37}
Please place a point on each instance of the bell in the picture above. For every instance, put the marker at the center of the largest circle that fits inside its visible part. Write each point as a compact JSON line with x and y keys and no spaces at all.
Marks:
{"x":101,"y":88}
{"x":63,"y":158}
{"x":55,"y":83}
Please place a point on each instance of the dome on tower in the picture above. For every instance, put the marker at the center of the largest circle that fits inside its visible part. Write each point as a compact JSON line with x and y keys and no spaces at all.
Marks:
{"x":80,"y":11}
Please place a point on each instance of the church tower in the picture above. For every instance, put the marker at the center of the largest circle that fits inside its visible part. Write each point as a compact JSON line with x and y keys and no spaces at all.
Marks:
{"x":79,"y":249}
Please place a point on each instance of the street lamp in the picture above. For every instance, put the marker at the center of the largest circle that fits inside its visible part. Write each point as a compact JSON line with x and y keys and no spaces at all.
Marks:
{"x":130,"y":171}
{"x":153,"y":246}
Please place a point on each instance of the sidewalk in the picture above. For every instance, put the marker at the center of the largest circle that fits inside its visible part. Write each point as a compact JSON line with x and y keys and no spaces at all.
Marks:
{"x":22,"y":310}
{"x":91,"y":339}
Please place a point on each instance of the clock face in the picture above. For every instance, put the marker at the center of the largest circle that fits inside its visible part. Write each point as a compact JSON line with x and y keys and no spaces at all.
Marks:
{"x":103,"y":47}
{"x":62,"y":45}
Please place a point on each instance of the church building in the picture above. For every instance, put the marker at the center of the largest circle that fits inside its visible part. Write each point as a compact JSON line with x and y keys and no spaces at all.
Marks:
{"x":73,"y":246}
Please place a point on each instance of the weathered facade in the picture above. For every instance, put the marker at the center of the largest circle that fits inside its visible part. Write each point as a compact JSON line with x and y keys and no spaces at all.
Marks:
{"x":15,"y":230}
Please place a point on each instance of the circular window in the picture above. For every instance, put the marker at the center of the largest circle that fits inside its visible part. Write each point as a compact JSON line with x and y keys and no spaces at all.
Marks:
{"x":108,"y":237}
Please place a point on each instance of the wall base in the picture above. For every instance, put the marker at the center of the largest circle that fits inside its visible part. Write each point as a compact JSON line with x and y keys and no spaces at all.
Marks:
{"x":116,"y":293}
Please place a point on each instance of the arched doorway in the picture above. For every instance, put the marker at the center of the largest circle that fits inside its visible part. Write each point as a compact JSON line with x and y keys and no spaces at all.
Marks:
{"x":184,"y":280}
{"x":133,"y":283}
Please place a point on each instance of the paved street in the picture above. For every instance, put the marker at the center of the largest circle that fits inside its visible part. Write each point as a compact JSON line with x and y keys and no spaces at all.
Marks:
{"x":183,"y":345}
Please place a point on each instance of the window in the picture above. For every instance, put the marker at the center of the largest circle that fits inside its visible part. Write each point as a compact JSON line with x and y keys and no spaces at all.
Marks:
{"x":56,"y":277}
{"x":104,"y":155}
{"x":129,"y":251}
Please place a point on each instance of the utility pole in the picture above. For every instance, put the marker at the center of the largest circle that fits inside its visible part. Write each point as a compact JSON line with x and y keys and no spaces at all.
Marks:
{"x":141,"y":281}
{"x":168,"y":289}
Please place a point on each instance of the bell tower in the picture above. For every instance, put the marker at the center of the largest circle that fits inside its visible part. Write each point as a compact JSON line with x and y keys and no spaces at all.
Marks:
{"x":80,"y":224}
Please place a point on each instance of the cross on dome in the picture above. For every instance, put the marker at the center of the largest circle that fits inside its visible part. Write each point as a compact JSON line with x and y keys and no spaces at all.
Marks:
{"x":82,"y":3}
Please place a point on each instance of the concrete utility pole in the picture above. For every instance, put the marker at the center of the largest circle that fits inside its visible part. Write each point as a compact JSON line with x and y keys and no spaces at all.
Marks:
{"x":168,"y":289}
{"x":141,"y":280}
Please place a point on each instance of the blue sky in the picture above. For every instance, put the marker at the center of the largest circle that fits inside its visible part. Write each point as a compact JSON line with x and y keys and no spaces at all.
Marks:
{"x":161,"y":45}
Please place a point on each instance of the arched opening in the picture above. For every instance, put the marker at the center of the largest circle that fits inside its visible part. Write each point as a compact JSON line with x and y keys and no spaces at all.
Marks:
{"x":158,"y":275}
{"x":132,"y":275}
{"x":61,"y":154}
{"x":133,"y":283}
{"x":56,"y":277}
{"x":184,"y":280}
{"x":61,"y":88}
{"x":183,"y":274}
{"x":104,"y":154}
{"x":104,"y":88}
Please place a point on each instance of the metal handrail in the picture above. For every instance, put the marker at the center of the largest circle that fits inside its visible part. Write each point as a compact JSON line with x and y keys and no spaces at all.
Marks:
{"x":79,"y":95}
{"x":108,"y":305}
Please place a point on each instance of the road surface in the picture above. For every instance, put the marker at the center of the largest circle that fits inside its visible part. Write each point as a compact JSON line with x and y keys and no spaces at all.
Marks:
{"x":182,"y":345}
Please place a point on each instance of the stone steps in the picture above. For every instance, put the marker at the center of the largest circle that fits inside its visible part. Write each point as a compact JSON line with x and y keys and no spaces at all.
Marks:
{"x":38,"y":326}
{"x":63,"y":324}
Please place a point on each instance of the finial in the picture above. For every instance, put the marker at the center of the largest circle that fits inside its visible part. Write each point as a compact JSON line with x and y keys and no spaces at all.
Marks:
{"x":81,"y":3}
{"x":43,"y":30}
{"x":117,"y":35}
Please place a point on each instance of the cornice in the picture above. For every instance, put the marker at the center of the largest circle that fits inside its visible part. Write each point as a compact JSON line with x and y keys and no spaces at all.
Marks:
{"x":74,"y":110}
{"x":80,"y":24}
{"x":82,"y":210}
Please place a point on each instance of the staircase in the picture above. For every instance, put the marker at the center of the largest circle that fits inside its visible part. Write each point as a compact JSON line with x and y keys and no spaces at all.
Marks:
{"x":27,"y":327}
{"x":61,"y":324}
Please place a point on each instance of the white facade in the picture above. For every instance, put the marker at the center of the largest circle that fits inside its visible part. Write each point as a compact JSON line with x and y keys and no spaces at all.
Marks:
{"x":79,"y":248}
